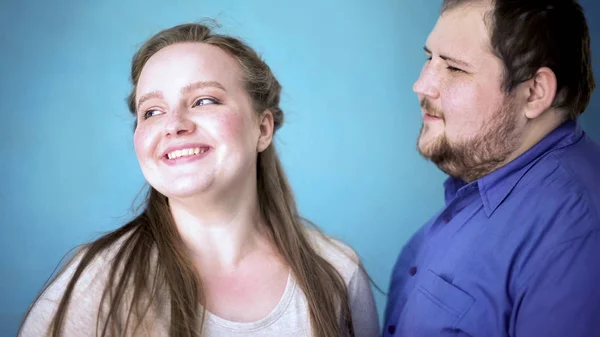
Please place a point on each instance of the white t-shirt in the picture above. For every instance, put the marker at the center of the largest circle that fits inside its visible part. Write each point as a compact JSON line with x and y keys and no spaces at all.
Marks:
{"x":289,"y":318}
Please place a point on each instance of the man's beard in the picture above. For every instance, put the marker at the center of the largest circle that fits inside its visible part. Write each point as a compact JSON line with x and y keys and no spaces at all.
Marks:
{"x":474,"y":158}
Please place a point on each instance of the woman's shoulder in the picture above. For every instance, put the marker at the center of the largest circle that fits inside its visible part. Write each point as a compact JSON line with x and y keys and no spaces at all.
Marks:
{"x":86,"y":294}
{"x":93,"y":273}
{"x":338,"y":253}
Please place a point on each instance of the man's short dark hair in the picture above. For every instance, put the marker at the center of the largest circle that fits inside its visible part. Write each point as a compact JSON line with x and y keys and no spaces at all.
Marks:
{"x":529,"y":34}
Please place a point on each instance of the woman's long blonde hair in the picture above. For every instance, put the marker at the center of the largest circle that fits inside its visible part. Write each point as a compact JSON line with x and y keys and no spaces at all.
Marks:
{"x":130,"y":292}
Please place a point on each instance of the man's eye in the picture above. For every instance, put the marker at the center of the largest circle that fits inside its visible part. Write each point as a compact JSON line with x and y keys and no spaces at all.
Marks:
{"x":454,"y":69}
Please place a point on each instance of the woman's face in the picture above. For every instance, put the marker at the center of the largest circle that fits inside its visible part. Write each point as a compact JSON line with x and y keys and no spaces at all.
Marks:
{"x":197,"y":130}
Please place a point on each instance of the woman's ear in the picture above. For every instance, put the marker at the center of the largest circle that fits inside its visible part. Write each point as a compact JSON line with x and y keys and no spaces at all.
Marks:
{"x":266,"y":128}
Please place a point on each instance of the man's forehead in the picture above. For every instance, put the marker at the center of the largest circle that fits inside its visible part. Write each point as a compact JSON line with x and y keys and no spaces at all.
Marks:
{"x":461,"y":30}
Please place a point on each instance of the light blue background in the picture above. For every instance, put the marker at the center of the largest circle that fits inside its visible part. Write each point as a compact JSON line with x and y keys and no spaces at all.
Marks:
{"x":69,"y":170}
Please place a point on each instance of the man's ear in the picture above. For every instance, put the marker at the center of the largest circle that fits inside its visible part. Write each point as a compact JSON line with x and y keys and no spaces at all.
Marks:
{"x":540,"y":92}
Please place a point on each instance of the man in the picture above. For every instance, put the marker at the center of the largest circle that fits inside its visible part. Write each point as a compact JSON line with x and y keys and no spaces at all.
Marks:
{"x":516,"y":250}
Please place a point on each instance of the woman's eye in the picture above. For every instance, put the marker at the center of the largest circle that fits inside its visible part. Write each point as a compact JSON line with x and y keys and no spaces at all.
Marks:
{"x":205,"y":101}
{"x":150,"y":113}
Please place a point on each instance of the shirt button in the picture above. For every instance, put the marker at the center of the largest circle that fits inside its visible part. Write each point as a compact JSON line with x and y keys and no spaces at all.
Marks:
{"x":392,"y":329}
{"x":412,"y":270}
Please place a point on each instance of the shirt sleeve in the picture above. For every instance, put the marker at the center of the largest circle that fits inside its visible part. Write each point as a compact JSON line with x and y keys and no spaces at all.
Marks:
{"x":563,"y":297}
{"x":362,"y":305}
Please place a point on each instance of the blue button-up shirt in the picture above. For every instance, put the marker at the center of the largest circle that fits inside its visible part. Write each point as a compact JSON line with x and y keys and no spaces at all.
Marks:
{"x":515,"y":253}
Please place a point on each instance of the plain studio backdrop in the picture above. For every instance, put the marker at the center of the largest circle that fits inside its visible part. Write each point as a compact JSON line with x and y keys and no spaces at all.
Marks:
{"x":69,"y":171}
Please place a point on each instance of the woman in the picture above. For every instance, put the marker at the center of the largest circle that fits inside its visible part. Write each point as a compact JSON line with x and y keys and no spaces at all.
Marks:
{"x":219,"y":249}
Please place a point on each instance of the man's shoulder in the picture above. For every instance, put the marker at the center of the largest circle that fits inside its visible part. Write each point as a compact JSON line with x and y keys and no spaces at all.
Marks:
{"x":565,"y":171}
{"x":558,"y":199}
{"x":570,"y":173}
{"x":581,"y":163}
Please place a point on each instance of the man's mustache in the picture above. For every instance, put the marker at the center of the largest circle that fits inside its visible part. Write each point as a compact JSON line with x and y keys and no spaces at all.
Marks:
{"x":430,"y":109}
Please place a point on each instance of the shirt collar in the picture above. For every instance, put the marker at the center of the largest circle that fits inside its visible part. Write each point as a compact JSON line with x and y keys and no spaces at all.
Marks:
{"x":496,"y":186}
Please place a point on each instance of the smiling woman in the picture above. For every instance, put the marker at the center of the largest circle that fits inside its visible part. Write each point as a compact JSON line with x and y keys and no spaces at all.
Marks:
{"x":219,"y":249}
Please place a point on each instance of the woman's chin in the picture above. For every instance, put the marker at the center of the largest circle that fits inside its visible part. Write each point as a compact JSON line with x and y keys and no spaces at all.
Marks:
{"x":184,"y":190}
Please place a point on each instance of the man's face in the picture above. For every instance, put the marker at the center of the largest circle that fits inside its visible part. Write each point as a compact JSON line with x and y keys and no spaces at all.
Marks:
{"x":470,"y":125}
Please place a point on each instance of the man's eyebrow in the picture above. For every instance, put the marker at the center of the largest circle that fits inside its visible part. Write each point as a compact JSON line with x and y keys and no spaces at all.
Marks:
{"x":451,"y":59}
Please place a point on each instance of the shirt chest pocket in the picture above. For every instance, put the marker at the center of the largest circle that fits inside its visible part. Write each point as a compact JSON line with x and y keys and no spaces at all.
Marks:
{"x":434,"y":308}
